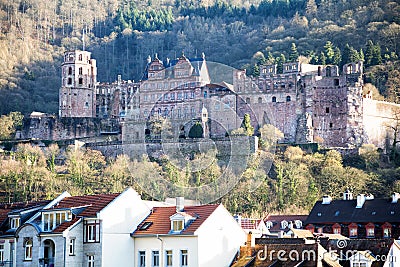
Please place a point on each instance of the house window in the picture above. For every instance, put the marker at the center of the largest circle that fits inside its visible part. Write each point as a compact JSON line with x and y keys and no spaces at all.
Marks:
{"x":90,"y":261}
{"x":168,"y":257}
{"x":80,"y":71}
{"x":387,"y":230}
{"x":71,"y":248}
{"x":80,"y":81}
{"x":337,"y":228}
{"x":28,"y":249}
{"x":370,"y":232}
{"x":353,"y":231}
{"x":155,"y":258}
{"x":142,"y":258}
{"x":184,"y":257}
{"x":69,"y":81}
{"x":91,"y":231}
{"x":14,"y":223}
{"x":248,"y":100}
{"x":177,"y":226}
{"x":259,"y":100}
{"x":69,"y":71}
{"x":327,"y":110}
{"x":273,"y":99}
{"x":1,"y":252}
{"x":80,"y":57}
{"x":53,"y":219}
{"x":288,"y":98}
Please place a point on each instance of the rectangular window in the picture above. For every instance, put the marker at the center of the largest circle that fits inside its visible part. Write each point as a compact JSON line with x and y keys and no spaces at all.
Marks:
{"x":386,"y":232}
{"x":155,"y":258}
{"x":90,"y":261}
{"x":71,"y":248}
{"x":14,"y":223}
{"x":184,"y":257}
{"x":142,"y":258}
{"x":353,"y":232}
{"x":177,"y":226}
{"x":168,"y":257}
{"x":1,"y":252}
{"x":91,"y":231}
{"x":370,"y":232}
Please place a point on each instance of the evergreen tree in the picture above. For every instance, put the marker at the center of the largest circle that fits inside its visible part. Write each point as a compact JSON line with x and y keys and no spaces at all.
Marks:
{"x":322,"y":58}
{"x":279,"y":63}
{"x":369,"y":53}
{"x":246,"y":125}
{"x":294,"y":55}
{"x":329,"y":52}
{"x":376,"y":55}
{"x":349,"y":55}
{"x":337,"y":58}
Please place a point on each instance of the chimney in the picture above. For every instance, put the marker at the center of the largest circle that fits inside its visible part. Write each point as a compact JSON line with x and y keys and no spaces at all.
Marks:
{"x":360,"y":201}
{"x":395,"y":197}
{"x":326,"y":200}
{"x":180,"y":202}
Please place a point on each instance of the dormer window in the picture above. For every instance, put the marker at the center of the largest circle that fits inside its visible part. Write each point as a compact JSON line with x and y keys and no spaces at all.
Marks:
{"x":51,"y":220}
{"x":15,"y":222}
{"x":177,"y":225}
{"x":179,"y":221}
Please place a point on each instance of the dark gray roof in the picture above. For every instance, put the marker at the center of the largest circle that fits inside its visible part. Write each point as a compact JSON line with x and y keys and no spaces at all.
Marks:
{"x":345,"y":211}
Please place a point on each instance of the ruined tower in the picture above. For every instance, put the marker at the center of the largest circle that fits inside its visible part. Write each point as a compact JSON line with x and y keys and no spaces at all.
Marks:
{"x":78,"y":92}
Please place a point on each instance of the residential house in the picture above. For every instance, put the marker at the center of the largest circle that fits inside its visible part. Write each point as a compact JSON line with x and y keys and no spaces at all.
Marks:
{"x":256,"y":227}
{"x":280,"y":225}
{"x":195,"y":236}
{"x":91,"y":230}
{"x":12,"y":215}
{"x":364,"y":217}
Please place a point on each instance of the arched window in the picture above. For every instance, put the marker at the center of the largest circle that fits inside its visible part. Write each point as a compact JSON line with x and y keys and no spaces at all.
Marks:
{"x":259,"y":100}
{"x":70,"y":71}
{"x":288,"y":98}
{"x":80,"y":57}
{"x":28,"y":249}
{"x":248,"y":100}
{"x":274,"y":99}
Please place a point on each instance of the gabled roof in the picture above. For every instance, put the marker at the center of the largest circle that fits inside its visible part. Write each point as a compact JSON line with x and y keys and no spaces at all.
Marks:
{"x":15,"y":208}
{"x":89,"y":205}
{"x":160,"y":224}
{"x":345,"y":211}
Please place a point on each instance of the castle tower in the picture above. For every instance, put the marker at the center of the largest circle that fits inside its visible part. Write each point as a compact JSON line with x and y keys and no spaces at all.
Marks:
{"x":78,"y":92}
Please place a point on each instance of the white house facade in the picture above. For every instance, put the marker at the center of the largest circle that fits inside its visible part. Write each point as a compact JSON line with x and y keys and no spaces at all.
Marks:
{"x":90,"y":231}
{"x":204,"y":235}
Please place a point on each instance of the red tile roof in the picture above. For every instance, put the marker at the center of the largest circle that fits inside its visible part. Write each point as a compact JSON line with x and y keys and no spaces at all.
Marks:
{"x":161,"y":223}
{"x":248,"y":223}
{"x":94,"y":203}
{"x":64,"y":226}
